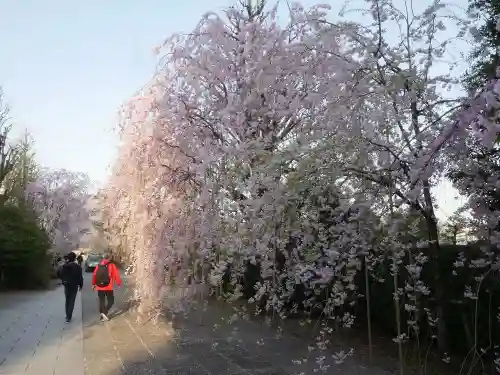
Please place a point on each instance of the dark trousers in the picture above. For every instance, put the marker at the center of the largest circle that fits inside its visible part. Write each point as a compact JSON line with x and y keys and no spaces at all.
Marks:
{"x":105,"y":296}
{"x":70,"y":292}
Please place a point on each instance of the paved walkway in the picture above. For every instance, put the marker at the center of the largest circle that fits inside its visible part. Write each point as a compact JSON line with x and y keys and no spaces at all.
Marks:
{"x":34,"y":338}
{"x":200,"y":343}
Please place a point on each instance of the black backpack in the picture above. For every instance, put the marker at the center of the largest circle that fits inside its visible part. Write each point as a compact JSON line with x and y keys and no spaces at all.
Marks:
{"x":65,"y":273}
{"x":102,"y":275}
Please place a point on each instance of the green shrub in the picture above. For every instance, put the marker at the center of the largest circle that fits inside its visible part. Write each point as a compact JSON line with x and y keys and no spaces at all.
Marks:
{"x":24,"y":261}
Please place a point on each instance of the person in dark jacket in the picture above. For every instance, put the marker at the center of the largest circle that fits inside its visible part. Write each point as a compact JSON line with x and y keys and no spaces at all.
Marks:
{"x":79,"y":260}
{"x":71,"y":276}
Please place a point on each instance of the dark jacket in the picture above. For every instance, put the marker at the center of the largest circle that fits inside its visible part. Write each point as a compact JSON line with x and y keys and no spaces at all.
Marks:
{"x":71,"y":274}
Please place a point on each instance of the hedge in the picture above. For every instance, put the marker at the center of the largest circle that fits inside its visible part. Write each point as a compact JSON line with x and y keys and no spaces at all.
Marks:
{"x":24,"y":259}
{"x":459,"y":311}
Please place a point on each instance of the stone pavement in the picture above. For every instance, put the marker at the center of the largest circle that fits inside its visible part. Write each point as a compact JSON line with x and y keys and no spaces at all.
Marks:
{"x":193,"y":345}
{"x":34,"y":338}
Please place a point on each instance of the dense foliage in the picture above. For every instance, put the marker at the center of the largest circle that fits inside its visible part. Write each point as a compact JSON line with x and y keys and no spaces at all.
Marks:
{"x":24,"y":247}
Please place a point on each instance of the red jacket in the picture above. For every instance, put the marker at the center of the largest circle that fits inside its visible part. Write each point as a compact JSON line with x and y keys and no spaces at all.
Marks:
{"x":114,"y":276}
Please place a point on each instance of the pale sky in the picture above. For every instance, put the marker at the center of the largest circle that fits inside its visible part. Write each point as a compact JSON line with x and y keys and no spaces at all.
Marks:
{"x":66,"y":66}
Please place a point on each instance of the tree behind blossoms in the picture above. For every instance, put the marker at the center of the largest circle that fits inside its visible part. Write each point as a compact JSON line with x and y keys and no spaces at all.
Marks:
{"x":485,"y":56}
{"x":24,"y":171}
{"x":8,"y":152}
{"x":59,"y":198}
{"x":474,"y":132}
{"x":474,"y":176}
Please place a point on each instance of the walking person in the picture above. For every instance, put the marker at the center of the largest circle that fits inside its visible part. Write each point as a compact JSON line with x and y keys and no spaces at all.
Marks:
{"x":79,"y":259}
{"x":71,"y":276}
{"x":103,"y":279}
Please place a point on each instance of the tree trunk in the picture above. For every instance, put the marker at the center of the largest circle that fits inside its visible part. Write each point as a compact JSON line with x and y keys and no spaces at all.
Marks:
{"x":368,"y":311}
{"x":468,"y":333}
{"x":433,"y":241}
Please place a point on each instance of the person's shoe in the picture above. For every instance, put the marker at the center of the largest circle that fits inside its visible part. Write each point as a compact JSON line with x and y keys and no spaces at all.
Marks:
{"x":68,"y":321}
{"x":104,"y":317}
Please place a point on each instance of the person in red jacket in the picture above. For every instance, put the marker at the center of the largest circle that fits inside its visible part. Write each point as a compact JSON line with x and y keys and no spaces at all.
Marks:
{"x":104,"y":277}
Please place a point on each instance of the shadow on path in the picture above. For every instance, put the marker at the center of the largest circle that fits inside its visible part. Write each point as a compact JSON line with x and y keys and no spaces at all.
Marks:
{"x":199,"y":343}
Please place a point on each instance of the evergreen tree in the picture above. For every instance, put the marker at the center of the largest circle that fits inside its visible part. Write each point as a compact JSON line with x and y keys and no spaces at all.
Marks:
{"x":24,"y":246}
{"x":484,"y":59}
{"x":485,"y":56}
